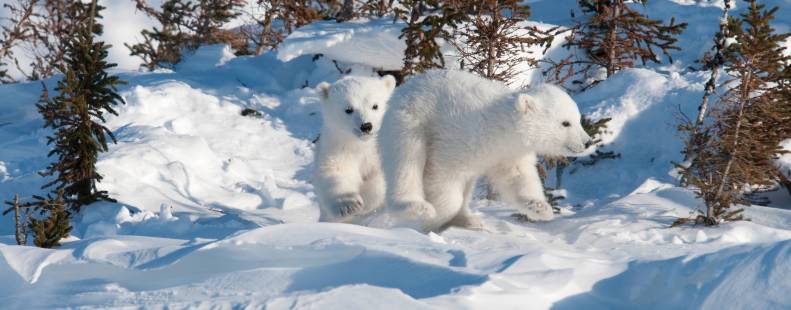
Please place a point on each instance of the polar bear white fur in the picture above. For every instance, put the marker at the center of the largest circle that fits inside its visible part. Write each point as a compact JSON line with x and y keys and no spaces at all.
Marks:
{"x":444,"y":129}
{"x":348,"y":180}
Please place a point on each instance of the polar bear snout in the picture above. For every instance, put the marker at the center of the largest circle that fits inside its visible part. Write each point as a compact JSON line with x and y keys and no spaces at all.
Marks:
{"x":366,"y":128}
{"x":575,"y":148}
{"x":585,"y":141}
{"x":588,"y":143}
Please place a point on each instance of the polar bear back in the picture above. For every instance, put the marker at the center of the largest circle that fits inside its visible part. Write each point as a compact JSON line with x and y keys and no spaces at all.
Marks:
{"x":458,"y":113}
{"x":446,"y":94}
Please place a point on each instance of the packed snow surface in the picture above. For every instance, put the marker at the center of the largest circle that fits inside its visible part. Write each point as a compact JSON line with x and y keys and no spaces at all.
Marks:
{"x":216,"y":210}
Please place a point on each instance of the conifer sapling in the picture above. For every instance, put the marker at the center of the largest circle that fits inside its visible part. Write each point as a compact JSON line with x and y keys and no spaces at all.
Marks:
{"x":615,"y":36}
{"x":736,"y":151}
{"x":86,"y":94}
{"x":494,"y":43}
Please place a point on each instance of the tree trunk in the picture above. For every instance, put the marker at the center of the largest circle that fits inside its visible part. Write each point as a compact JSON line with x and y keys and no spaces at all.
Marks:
{"x":612,"y":37}
{"x":711,"y":83}
{"x":265,"y":34}
{"x":492,"y":59}
{"x":21,"y":236}
{"x":92,"y":17}
{"x":492,"y":51}
{"x":745,"y":95}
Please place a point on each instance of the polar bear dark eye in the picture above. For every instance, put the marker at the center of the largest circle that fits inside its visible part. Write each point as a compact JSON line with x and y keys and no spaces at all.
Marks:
{"x":566,"y":124}
{"x":349,"y":110}
{"x":375,"y":107}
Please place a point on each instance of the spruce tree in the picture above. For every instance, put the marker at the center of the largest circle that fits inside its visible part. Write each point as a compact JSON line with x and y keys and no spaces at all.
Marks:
{"x":614,"y":37}
{"x":427,"y":21}
{"x":712,"y":62}
{"x":54,"y":226}
{"x":737,"y":150}
{"x":16,"y":29}
{"x":185,"y":26}
{"x":162,"y":47}
{"x":39,"y":30}
{"x":51,"y":225}
{"x":378,"y":8}
{"x":493,"y":44}
{"x":85,"y":94}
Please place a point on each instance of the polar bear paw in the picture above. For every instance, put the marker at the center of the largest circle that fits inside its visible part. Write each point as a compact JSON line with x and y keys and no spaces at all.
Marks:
{"x":347,"y":205}
{"x":468,"y":221}
{"x":537,"y":210}
{"x":417,"y":210}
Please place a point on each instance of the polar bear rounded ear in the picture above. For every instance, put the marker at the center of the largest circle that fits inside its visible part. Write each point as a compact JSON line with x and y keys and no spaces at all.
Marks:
{"x":525,"y":103}
{"x":390,"y":81}
{"x":324,"y":89}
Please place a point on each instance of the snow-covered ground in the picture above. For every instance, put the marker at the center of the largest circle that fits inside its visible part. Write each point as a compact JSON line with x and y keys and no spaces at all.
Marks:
{"x":216,"y":209}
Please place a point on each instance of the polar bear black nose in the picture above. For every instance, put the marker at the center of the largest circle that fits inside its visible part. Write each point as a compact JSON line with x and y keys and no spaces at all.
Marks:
{"x":366,"y":128}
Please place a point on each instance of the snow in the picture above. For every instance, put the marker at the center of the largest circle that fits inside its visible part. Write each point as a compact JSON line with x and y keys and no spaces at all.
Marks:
{"x":374,"y":43}
{"x":216,"y":210}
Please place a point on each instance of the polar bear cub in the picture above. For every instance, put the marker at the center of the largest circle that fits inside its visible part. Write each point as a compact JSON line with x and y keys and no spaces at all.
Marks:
{"x":444,"y":129}
{"x":348,"y":180}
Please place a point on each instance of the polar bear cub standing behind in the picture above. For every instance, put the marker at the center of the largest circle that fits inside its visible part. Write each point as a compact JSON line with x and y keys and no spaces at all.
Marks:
{"x":444,"y":129}
{"x":348,"y":180}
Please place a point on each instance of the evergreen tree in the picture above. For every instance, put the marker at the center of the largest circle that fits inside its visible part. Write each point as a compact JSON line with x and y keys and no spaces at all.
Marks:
{"x":48,"y":232}
{"x":163,"y":47}
{"x":614,"y":37}
{"x":378,"y":8}
{"x":347,"y":11}
{"x":292,"y":13}
{"x":185,"y":25}
{"x":40,"y":29}
{"x":737,"y":150}
{"x":713,"y":63}
{"x":52,"y":226}
{"x":15,"y":30}
{"x":427,"y":21}
{"x":493,"y":43}
{"x":85,"y":94}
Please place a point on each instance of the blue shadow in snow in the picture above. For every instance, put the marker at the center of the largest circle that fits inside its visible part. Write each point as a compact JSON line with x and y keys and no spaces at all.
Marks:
{"x":415,"y":279}
{"x":742,"y":277}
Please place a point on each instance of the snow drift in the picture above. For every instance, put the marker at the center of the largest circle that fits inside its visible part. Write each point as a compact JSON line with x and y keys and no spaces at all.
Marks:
{"x":216,"y":211}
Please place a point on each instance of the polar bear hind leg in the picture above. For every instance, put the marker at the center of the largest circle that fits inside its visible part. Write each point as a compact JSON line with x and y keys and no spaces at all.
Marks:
{"x":465,"y":218}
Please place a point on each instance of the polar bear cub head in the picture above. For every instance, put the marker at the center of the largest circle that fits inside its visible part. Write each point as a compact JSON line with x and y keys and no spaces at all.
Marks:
{"x":356,"y":104}
{"x":550,"y":121}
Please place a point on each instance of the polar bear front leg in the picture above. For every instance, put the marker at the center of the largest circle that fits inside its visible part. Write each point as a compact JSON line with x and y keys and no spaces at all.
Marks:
{"x":373,"y":191}
{"x":517,"y":182}
{"x":337,"y":187}
{"x":403,"y":154}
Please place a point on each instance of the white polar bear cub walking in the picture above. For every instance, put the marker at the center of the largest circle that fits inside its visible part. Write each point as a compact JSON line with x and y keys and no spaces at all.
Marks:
{"x":444,"y":129}
{"x":348,"y":180}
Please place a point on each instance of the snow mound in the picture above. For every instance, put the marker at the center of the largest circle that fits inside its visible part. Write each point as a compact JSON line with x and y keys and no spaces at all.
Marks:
{"x":261,"y":264}
{"x":711,"y":281}
{"x":194,"y":150}
{"x":373,"y":42}
{"x":641,"y":103}
{"x":206,"y":58}
{"x":216,"y":209}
